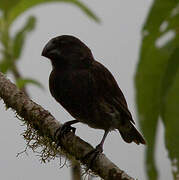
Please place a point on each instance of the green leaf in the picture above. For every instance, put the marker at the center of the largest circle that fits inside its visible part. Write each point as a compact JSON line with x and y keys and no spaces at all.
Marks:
{"x":170,"y":111}
{"x":171,"y":117}
{"x":1,"y":25}
{"x":5,"y":65}
{"x":24,"y":5}
{"x":170,"y":72}
{"x":7,"y":5}
{"x":20,"y":37}
{"x":159,"y":12}
{"x":152,"y":68}
{"x":148,"y":83}
{"x":21,"y":83}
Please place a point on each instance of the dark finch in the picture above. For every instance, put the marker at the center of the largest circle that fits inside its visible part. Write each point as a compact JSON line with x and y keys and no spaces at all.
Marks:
{"x":87,"y":90}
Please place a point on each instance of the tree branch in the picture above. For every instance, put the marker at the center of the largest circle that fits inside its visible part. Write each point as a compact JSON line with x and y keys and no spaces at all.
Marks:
{"x":46,"y":126}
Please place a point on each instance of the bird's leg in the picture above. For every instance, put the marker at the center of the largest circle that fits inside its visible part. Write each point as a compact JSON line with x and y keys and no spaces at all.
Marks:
{"x":65,"y":128}
{"x":99,"y":147}
{"x":98,"y":150}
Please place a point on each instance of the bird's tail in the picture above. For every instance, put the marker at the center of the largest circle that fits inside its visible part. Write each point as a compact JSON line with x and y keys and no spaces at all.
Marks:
{"x":130,"y":134}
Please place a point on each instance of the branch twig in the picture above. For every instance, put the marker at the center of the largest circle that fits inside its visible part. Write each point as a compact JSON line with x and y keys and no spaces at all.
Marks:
{"x":46,"y":125}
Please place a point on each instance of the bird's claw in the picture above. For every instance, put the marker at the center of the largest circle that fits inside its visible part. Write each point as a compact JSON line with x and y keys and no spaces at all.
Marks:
{"x":62,"y":131}
{"x":99,"y":148}
{"x":93,"y":154}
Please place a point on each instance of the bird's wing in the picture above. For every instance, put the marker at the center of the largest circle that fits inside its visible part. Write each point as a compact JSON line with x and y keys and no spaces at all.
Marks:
{"x":106,"y":87}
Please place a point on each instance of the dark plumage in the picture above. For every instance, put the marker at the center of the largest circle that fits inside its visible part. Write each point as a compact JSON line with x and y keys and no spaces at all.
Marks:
{"x":87,"y":90}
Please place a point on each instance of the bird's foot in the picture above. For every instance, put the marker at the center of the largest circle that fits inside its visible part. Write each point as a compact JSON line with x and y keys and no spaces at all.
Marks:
{"x":93,"y":154}
{"x":62,"y":131}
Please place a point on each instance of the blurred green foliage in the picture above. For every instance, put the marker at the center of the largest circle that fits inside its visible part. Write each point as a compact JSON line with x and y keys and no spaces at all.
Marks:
{"x":157,"y":82}
{"x":11,"y":47}
{"x":22,"y":82}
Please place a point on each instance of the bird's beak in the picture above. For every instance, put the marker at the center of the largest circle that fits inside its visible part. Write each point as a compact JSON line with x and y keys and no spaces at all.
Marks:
{"x":47,"y":49}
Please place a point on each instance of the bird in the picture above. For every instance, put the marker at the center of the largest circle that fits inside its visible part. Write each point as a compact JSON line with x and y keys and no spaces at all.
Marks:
{"x":88,"y":90}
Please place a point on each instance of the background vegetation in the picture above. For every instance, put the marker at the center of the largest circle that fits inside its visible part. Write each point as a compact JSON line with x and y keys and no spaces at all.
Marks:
{"x":157,"y":73}
{"x":157,"y":82}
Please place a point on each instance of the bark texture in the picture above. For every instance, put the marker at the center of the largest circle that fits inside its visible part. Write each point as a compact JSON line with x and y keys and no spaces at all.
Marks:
{"x":46,"y":125}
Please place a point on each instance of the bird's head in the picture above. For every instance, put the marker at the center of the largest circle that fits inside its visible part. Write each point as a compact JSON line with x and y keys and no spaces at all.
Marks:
{"x":67,"y":50}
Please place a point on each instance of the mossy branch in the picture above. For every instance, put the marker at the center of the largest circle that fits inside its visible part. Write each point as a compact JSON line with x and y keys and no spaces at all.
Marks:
{"x":42,"y":122}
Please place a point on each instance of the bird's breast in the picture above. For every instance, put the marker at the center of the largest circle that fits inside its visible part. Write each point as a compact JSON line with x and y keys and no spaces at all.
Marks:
{"x":72,"y":92}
